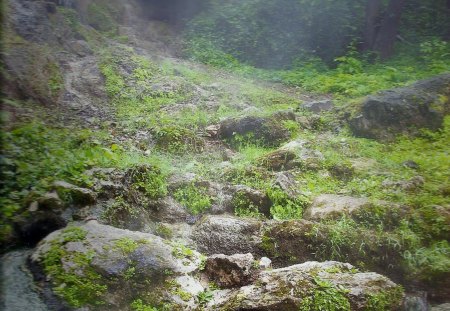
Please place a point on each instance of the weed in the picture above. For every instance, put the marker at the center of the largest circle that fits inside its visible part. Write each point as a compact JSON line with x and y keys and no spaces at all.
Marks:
{"x":204,"y":297}
{"x":139,"y":305}
{"x":285,"y":207}
{"x":326,"y":297}
{"x":244,"y":207}
{"x":194,"y":198}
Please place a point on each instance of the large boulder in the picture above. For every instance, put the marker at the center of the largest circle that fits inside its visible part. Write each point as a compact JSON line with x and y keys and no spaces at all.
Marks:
{"x":328,"y":206}
{"x":294,"y":154}
{"x":267,"y":130}
{"x":313,"y":286}
{"x":103,"y":267}
{"x":404,"y":110}
{"x":227,"y":235}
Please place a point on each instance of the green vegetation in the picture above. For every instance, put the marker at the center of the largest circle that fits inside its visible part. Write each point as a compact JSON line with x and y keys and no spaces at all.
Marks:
{"x":156,"y":124}
{"x":139,"y":305}
{"x":126,"y":245}
{"x":326,"y":297}
{"x":385,"y":300}
{"x":244,"y":207}
{"x":150,"y":180}
{"x":284,"y":207}
{"x":194,"y":198}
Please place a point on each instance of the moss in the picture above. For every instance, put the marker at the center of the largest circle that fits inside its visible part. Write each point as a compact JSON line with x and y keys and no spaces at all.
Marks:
{"x":185,"y":296}
{"x":181,"y":252}
{"x":79,"y":285}
{"x":126,"y":245}
{"x":119,"y":212}
{"x":139,"y":305}
{"x":326,"y":297}
{"x":268,"y":245}
{"x":385,"y":300}
{"x":164,"y":231}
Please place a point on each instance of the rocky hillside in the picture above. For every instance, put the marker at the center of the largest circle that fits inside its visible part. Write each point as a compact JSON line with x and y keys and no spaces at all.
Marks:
{"x":143,"y":181}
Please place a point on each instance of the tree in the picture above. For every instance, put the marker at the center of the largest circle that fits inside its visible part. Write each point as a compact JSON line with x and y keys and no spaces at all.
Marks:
{"x":382,"y":26}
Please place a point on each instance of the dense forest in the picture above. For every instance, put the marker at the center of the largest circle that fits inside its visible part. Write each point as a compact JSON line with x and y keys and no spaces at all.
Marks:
{"x":225,"y":155}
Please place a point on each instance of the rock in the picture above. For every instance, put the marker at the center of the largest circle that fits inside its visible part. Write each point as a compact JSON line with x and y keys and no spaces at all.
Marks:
{"x":80,"y":47}
{"x":286,"y":182}
{"x":441,"y":307}
{"x":404,"y":110}
{"x":312,"y":286}
{"x":411,"y":164}
{"x":265,"y":263}
{"x":294,"y":154}
{"x":279,"y":160}
{"x":268,"y":130}
{"x":244,"y":196}
{"x":318,"y":106}
{"x":77,"y":195}
{"x":50,"y":201}
{"x":286,"y":242}
{"x":30,"y":20}
{"x":327,"y":206}
{"x":415,"y":301}
{"x":226,"y":235}
{"x":43,"y":216}
{"x":100,"y":257}
{"x":231,"y":271}
{"x":168,"y":210}
{"x":35,"y":223}
{"x":410,"y":185}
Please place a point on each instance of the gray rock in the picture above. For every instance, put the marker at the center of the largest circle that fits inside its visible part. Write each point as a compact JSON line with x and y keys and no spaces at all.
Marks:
{"x":280,"y":289}
{"x":50,"y":201}
{"x":318,"y":106}
{"x":253,"y":197}
{"x":42,"y":217}
{"x":268,"y":130}
{"x":286,"y":182}
{"x":77,"y":195}
{"x":168,"y":210}
{"x":327,"y":206}
{"x":410,"y":185}
{"x":226,"y":235}
{"x":114,"y":256}
{"x":404,"y":110}
{"x":231,"y":271}
{"x":442,"y":307}
{"x":265,"y":263}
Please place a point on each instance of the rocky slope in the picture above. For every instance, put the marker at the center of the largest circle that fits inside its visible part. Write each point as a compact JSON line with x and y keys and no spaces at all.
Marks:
{"x":188,"y":188}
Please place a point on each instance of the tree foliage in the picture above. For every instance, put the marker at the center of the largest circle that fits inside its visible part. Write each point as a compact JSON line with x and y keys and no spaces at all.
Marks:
{"x":277,"y":33}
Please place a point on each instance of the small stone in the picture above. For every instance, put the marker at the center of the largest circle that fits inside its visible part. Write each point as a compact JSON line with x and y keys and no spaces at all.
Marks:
{"x":33,"y":206}
{"x":318,"y":106}
{"x":411,"y":164}
{"x":265,"y":263}
{"x":79,"y":196}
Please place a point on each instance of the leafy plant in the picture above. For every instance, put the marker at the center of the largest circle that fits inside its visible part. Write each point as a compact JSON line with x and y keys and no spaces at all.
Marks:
{"x":196,"y":199}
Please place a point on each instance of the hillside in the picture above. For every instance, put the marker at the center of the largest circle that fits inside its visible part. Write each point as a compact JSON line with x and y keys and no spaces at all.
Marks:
{"x":135,"y":178}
